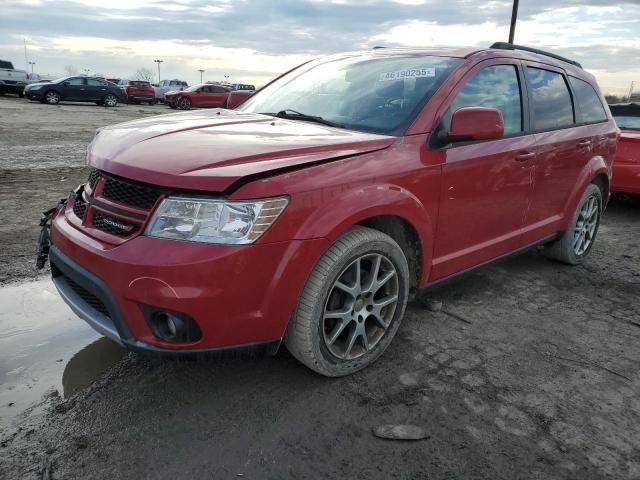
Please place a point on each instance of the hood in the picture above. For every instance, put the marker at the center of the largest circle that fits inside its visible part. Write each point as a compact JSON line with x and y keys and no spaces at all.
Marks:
{"x":210,"y":150}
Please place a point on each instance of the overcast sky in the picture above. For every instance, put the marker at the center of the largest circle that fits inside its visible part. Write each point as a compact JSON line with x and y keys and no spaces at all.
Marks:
{"x":253,"y":40}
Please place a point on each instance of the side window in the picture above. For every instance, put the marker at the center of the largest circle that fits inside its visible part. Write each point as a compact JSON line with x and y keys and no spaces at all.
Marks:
{"x":173,"y":83}
{"x":205,"y":89}
{"x":76,"y":81}
{"x":93,"y":82}
{"x":218,"y":89}
{"x":589,"y":101}
{"x":552,"y":103}
{"x":493,"y":87}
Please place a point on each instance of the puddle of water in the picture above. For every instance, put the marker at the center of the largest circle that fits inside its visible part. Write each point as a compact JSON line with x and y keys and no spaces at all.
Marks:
{"x":45,"y":346}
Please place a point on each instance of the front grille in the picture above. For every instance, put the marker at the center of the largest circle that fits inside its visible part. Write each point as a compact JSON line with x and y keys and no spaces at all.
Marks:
{"x":93,"y":177}
{"x":130,"y":193}
{"x":114,"y":226}
{"x":79,"y":208}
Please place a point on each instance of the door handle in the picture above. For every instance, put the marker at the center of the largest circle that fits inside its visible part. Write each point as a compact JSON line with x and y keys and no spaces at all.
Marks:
{"x":584,"y":143}
{"x":524,"y":156}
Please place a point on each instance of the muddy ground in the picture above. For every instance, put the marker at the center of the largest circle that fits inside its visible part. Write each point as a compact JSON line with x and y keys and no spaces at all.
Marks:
{"x":530,"y":371}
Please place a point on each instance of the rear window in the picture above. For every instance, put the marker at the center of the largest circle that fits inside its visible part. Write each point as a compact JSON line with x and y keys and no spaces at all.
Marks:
{"x":139,"y":83}
{"x":5,"y":64}
{"x":589,"y":101}
{"x":552,"y":103}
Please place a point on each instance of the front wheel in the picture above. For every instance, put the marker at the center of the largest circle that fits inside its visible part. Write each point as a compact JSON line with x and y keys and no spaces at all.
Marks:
{"x":576,"y":243}
{"x":110,"y":100}
{"x":352,"y":304}
{"x":184,"y":103}
{"x":52,"y":97}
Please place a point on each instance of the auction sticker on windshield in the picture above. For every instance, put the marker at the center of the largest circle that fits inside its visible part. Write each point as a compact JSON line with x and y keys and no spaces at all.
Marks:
{"x":408,"y":73}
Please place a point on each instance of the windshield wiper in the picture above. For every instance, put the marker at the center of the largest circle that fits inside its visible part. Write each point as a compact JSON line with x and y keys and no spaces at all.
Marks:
{"x":294,"y":115}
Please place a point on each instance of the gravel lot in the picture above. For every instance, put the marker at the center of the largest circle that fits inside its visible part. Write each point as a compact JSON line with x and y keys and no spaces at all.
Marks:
{"x":530,"y":370}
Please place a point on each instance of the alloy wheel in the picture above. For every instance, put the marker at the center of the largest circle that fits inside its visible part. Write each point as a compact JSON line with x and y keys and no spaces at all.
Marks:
{"x":585,"y":229}
{"x":360,"y":306}
{"x":52,"y":97}
{"x":110,"y":101}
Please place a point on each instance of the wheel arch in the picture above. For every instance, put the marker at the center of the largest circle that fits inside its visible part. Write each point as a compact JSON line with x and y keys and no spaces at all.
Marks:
{"x":595,"y":171}
{"x":387,"y":208}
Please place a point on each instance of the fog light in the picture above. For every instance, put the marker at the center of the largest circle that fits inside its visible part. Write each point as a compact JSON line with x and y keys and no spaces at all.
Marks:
{"x":172,"y":326}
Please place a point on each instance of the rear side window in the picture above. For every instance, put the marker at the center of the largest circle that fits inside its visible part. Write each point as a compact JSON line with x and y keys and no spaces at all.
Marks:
{"x":552,"y":103}
{"x":589,"y":101}
{"x":493,"y":87}
{"x":94,"y":82}
{"x":76,"y":81}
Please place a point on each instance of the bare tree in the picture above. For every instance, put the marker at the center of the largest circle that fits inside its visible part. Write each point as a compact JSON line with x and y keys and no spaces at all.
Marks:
{"x":71,"y":70}
{"x":145,"y":74}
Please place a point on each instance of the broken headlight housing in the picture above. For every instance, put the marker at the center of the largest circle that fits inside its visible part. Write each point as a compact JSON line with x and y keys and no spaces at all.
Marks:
{"x":214,"y":221}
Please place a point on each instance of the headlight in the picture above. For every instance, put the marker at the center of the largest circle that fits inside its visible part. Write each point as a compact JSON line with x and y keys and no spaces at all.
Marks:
{"x":34,"y":87}
{"x":214,"y":221}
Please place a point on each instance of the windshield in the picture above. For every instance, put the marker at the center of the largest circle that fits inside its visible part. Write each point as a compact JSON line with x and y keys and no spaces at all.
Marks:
{"x":368,"y":93}
{"x":627,"y":122}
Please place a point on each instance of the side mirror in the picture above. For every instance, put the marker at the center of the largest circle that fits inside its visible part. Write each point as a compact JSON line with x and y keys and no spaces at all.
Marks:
{"x":476,"y":123}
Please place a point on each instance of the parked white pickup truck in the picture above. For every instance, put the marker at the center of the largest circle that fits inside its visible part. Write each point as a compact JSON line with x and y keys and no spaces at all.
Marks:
{"x":12,"y":80}
{"x":166,"y":86}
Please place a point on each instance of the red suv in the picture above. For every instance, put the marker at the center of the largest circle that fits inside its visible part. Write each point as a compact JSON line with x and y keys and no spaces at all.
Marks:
{"x":313,"y":212}
{"x":626,"y":167}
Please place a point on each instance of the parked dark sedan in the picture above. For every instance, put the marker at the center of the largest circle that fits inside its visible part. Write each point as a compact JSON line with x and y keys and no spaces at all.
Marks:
{"x":75,"y":89}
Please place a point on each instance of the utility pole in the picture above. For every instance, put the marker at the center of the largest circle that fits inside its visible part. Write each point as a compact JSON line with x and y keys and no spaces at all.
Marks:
{"x":631,"y":91}
{"x":32,"y":64}
{"x":158,"y":61}
{"x":201,"y":72}
{"x":514,"y":17}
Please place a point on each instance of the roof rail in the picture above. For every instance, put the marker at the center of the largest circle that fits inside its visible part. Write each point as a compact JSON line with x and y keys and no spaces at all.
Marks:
{"x":511,"y":46}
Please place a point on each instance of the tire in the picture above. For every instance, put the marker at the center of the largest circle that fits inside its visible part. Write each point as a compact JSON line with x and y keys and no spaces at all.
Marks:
{"x":184,"y":104}
{"x":153,"y":102}
{"x":576,"y":243}
{"x":110,"y":100}
{"x":330,"y":323}
{"x":52,"y":97}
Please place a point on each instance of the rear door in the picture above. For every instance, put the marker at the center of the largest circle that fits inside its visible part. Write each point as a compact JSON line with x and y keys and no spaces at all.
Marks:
{"x":564,"y":147}
{"x":96,"y":89}
{"x":485,"y":185}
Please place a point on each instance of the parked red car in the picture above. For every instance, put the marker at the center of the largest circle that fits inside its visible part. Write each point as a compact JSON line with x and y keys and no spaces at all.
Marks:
{"x":138,"y":91}
{"x":206,"y":95}
{"x":626,"y":167}
{"x":312,"y":213}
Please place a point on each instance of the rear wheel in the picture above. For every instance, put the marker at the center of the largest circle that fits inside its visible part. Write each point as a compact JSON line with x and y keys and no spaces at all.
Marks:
{"x":184,"y":103}
{"x":52,"y":97}
{"x":153,"y":101}
{"x":110,"y":100}
{"x":352,"y":304}
{"x":576,"y":243}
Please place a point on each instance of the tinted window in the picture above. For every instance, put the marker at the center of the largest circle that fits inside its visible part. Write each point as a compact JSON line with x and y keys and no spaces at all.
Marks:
{"x":139,"y":83}
{"x":627,"y":122}
{"x":205,"y":89}
{"x":589,"y":101}
{"x":551,"y":99}
{"x":218,"y":89}
{"x":94,"y":82}
{"x":76,"y":81}
{"x":493,"y":87}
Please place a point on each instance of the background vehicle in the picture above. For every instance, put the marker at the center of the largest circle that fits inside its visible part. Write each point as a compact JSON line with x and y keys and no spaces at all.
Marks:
{"x":205,"y":95}
{"x":330,"y":196}
{"x":244,"y":87}
{"x":168,"y":85}
{"x":75,"y":89}
{"x":626,"y":167}
{"x":138,"y":91}
{"x":12,"y":80}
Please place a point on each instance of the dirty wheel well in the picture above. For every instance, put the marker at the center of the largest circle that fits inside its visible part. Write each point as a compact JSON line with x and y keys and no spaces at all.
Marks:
{"x":603,"y":183}
{"x":406,"y":236}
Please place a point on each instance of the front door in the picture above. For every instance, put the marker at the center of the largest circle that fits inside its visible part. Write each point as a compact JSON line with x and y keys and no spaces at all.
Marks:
{"x":73,"y":88}
{"x":486,"y":185}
